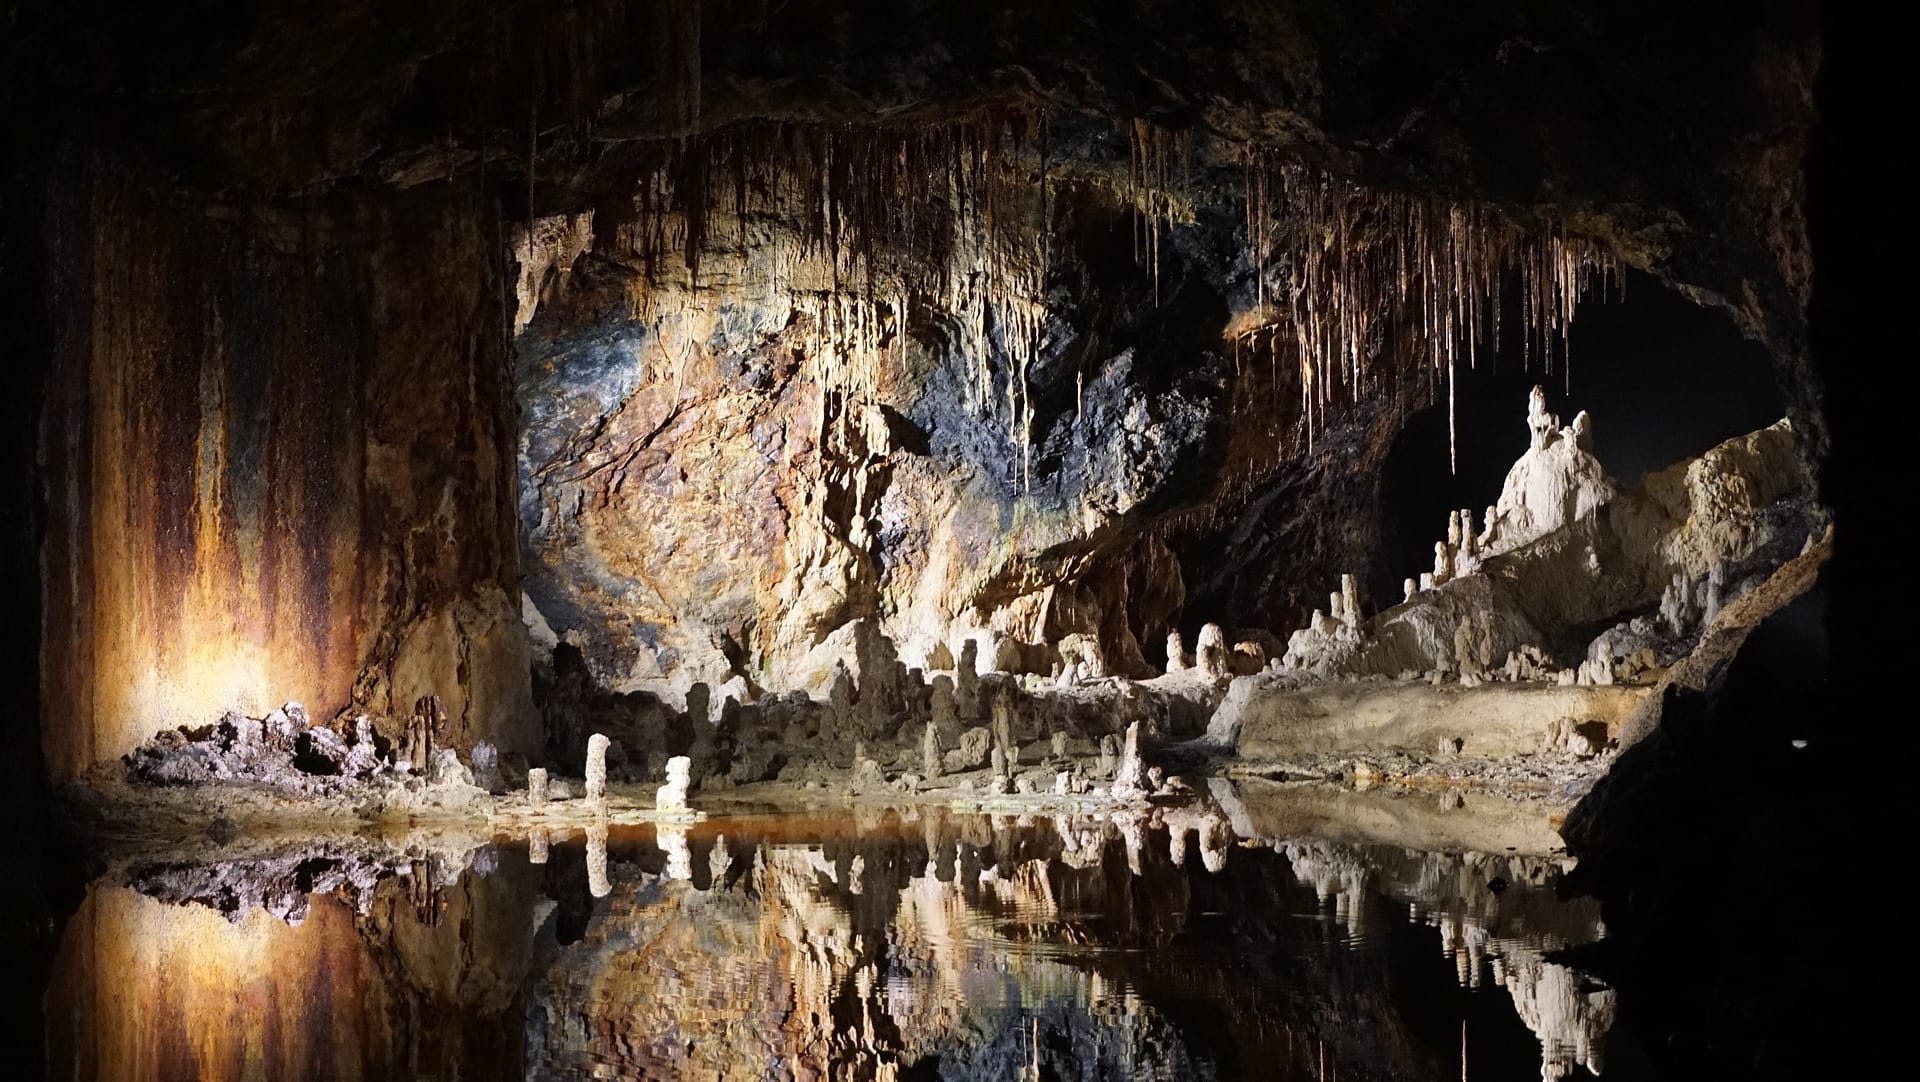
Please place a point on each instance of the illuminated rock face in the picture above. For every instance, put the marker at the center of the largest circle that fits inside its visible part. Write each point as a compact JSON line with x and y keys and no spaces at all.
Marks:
{"x":279,"y":466}
{"x":754,"y":458}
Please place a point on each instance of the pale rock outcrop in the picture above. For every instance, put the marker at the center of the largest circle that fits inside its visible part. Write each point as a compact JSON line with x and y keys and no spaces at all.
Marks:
{"x":445,"y":768}
{"x":544,"y":254}
{"x":540,"y":634}
{"x":1083,"y":656}
{"x":1329,"y":641}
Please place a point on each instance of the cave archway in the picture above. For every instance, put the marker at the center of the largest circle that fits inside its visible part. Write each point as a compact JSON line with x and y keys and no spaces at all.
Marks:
{"x":1663,"y":378}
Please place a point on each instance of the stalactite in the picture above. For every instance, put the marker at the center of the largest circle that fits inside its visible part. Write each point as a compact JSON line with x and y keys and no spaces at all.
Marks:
{"x":1359,"y":270}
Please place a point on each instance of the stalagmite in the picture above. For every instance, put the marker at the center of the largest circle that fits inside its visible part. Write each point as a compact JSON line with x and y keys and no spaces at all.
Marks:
{"x":1426,"y":580}
{"x":1453,"y":528}
{"x":1465,"y":656}
{"x":1407,"y":589}
{"x":1109,"y":755}
{"x":839,"y":703}
{"x":672,"y":797}
{"x":598,"y":884}
{"x":930,"y":751}
{"x":1176,"y":652}
{"x":597,"y":766}
{"x":537,"y":786}
{"x":1130,"y":775}
{"x":699,"y":703}
{"x":1059,"y":742}
{"x":1350,"y":596}
{"x":944,"y":714}
{"x":1003,"y":711}
{"x":1210,"y":652}
{"x":967,"y":681}
{"x":1442,"y":563}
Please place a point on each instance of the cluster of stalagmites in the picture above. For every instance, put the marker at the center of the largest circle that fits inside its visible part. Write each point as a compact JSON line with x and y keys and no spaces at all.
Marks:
{"x":1468,"y":633}
{"x":287,"y":750}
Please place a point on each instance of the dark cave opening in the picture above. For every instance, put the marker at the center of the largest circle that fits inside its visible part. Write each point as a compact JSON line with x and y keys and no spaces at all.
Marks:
{"x":1663,"y":378}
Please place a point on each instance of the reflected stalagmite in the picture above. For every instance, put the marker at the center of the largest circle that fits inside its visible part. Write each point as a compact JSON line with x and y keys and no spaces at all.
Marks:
{"x":598,"y":884}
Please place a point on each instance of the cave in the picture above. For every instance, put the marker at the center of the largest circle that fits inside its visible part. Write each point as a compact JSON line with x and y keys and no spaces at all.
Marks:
{"x":949,"y":540}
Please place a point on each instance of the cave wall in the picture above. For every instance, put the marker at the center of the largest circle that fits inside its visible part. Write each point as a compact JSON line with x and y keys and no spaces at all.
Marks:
{"x":723,"y":463}
{"x":277,"y":461}
{"x":1672,"y":135}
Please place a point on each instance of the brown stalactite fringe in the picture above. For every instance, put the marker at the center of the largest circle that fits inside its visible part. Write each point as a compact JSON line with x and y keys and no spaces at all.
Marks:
{"x":952,"y":219}
{"x":1361,"y":271}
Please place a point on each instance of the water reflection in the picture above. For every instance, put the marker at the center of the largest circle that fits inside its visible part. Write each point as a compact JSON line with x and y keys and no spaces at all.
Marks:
{"x":881,"y":945}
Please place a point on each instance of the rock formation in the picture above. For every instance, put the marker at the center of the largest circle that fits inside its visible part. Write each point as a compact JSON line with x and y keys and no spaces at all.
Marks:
{"x":672,"y":797}
{"x":1130,"y":773}
{"x":596,"y":779}
{"x":1210,"y":652}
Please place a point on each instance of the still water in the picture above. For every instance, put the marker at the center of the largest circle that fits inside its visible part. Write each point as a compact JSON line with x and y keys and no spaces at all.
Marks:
{"x":894,"y":944}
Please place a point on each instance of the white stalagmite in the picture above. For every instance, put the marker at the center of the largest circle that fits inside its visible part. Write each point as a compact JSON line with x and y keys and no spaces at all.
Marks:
{"x":597,"y":766}
{"x":1210,"y":652}
{"x":1176,"y":652}
{"x":1408,"y":589}
{"x":537,"y":786}
{"x":672,"y":797}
